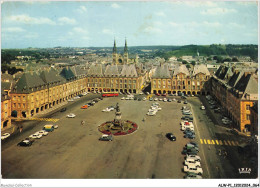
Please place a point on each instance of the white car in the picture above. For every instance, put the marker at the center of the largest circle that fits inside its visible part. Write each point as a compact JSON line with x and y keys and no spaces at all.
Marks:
{"x":127,"y":98}
{"x":194,"y":157}
{"x":71,"y":115}
{"x":160,"y":99}
{"x":155,"y":99}
{"x":77,"y":97}
{"x":144,"y":98}
{"x":151,"y":113}
{"x":190,"y":161}
{"x":70,"y":100}
{"x":173,"y":99}
{"x":56,"y":126}
{"x":183,"y":128}
{"x":156,"y":108}
{"x":35,"y":135}
{"x":164,"y":100}
{"x":107,"y":110}
{"x":4,"y":136}
{"x":202,"y":107}
{"x":85,"y":93}
{"x":123,"y":98}
{"x":193,"y":168}
{"x":42,"y":132}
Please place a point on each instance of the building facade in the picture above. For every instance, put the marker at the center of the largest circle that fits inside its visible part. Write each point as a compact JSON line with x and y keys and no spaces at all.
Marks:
{"x":237,"y":92}
{"x":180,"y":80}
{"x":36,"y":92}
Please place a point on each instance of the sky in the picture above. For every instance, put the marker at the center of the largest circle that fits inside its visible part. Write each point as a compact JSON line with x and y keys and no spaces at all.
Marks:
{"x":96,"y":24}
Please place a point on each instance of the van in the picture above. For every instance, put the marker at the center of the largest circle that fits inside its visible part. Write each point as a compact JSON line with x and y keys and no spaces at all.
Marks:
{"x":48,"y":128}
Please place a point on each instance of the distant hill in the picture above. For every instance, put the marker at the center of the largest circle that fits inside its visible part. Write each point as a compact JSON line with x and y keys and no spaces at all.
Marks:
{"x":214,"y":49}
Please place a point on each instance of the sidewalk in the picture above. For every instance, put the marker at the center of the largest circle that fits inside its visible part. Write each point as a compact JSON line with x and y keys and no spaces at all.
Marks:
{"x":13,"y":127}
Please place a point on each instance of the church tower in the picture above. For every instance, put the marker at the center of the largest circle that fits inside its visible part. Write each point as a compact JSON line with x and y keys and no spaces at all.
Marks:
{"x":125,"y":53}
{"x":114,"y":54}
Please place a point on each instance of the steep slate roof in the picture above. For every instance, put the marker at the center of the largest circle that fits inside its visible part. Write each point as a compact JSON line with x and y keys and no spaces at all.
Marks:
{"x":129,"y":71}
{"x":27,"y":82}
{"x":224,"y":72}
{"x":7,"y":77}
{"x":67,"y":73}
{"x":111,"y":70}
{"x":200,"y":69}
{"x":95,"y":70}
{"x":78,"y":70}
{"x":162,"y":72}
{"x":51,"y":76}
{"x":235,"y":78}
{"x":181,"y":69}
{"x":247,"y":84}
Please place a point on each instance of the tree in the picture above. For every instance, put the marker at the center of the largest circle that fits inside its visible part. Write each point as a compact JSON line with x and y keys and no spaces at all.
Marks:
{"x":193,"y":63}
{"x":234,"y":59}
{"x":184,"y":62}
{"x":218,"y":58}
{"x":188,"y":66}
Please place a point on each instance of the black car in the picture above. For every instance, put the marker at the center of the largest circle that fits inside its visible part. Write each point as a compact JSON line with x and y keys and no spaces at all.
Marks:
{"x":90,"y":104}
{"x":188,"y":130}
{"x":101,"y":98}
{"x":135,"y":98}
{"x":25,"y":143}
{"x":80,"y":95}
{"x":63,"y":109}
{"x":171,"y":137}
{"x":179,"y":101}
{"x":189,"y":151}
{"x":185,"y":102}
{"x":139,"y":99}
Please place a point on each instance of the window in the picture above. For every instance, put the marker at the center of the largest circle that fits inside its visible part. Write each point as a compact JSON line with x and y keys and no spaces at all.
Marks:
{"x":134,"y":81}
{"x":23,"y":105}
{"x":121,"y":80}
{"x":19,"y":105}
{"x":188,"y":82}
{"x":247,"y":107}
{"x":14,"y":98}
{"x":6,"y":115}
{"x":248,"y":117}
{"x":5,"y":106}
{"x":14,"y":105}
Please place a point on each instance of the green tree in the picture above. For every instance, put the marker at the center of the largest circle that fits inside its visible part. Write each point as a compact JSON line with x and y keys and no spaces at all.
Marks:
{"x":188,"y":66}
{"x":193,"y":63}
{"x":184,"y":62}
{"x":234,"y":59}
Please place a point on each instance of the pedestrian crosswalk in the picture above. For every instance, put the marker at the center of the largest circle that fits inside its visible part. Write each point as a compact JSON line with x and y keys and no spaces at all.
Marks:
{"x":44,"y":119}
{"x":219,"y":142}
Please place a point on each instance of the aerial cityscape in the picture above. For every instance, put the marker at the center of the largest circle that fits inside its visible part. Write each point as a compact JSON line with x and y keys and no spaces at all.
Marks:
{"x":129,"y":90}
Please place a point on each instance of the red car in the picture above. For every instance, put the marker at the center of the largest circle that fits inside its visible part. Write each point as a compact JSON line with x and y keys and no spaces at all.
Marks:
{"x":164,"y":94}
{"x":157,"y":94}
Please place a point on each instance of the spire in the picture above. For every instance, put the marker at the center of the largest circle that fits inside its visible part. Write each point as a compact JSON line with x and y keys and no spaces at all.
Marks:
{"x":114,"y":48}
{"x":126,"y":50}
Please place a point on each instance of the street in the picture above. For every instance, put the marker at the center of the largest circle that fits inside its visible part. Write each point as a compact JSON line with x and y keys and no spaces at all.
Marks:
{"x":74,"y":151}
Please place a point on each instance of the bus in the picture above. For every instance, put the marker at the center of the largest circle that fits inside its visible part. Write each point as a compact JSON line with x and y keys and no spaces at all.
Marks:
{"x":110,"y":94}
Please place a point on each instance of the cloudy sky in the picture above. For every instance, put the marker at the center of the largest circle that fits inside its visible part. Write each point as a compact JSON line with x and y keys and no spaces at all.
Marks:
{"x":85,"y":24}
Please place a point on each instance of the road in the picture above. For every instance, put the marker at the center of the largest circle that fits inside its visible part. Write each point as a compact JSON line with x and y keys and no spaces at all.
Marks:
{"x":73,"y":150}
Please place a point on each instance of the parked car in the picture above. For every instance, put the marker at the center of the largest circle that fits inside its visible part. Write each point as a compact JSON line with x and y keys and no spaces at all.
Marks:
{"x":190,"y":135}
{"x":123,"y":98}
{"x":185,"y":102}
{"x":144,"y":98}
{"x":157,"y":94}
{"x":84,"y":106}
{"x":192,"y":175}
{"x":186,"y":113}
{"x":80,"y":95}
{"x":191,"y":146}
{"x":169,"y":100}
{"x":193,"y":168}
{"x":155,"y":99}
{"x":187,"y":130}
{"x":202,"y":107}
{"x":189,"y":151}
{"x":106,"y":137}
{"x":151,"y":113}
{"x":4,"y":136}
{"x":35,"y":136}
{"x":139,"y":99}
{"x":190,"y":161}
{"x":171,"y":137}
{"x":71,"y":115}
{"x":43,"y":132}
{"x":194,"y":157}
{"x":165,"y":94}
{"x":179,"y":101}
{"x":70,"y":100}
{"x":63,"y":109}
{"x":107,"y":110}
{"x":25,"y":143}
{"x":90,"y":104}
{"x":194,"y":143}
{"x":56,"y":126}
